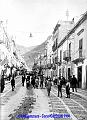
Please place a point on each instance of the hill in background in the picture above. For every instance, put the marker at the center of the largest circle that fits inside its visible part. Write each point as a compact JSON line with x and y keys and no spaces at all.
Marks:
{"x":32,"y":54}
{"x":22,"y":50}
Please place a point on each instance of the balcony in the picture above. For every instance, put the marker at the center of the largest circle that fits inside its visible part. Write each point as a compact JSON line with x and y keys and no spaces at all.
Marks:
{"x":53,"y":66}
{"x":49,"y":65}
{"x":45,"y":67}
{"x":79,"y":57}
{"x":56,"y":60}
{"x":59,"y":63}
{"x":66,"y":55}
{"x":54,"y":47}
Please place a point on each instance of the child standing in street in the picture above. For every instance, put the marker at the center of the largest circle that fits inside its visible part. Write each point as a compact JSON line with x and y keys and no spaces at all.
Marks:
{"x":59,"y":84}
{"x":13,"y":82}
{"x":49,"y":84}
{"x":68,"y":89}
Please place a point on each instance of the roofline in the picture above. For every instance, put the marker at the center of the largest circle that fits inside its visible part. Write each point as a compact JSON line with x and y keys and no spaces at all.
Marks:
{"x":82,"y":19}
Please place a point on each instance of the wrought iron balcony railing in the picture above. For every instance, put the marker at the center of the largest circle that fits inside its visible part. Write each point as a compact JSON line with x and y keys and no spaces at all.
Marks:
{"x":67,"y":55}
{"x":79,"y":56}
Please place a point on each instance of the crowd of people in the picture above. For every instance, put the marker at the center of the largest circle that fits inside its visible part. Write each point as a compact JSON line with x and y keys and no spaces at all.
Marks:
{"x":32,"y":80}
{"x":47,"y":82}
{"x":40,"y":81}
{"x":71,"y":82}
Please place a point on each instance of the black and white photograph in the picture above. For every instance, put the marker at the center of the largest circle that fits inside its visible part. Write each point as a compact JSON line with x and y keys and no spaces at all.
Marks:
{"x":43,"y":59}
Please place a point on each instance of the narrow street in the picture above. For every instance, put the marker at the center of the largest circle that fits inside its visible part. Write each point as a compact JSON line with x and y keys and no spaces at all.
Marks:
{"x":8,"y":88}
{"x":35,"y":104}
{"x":11,"y":99}
{"x":43,"y":59}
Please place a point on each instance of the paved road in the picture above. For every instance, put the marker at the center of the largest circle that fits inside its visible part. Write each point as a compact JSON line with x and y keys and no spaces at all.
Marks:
{"x":74,"y":108}
{"x":42,"y":106}
{"x":8,"y":88}
{"x":10,"y":100}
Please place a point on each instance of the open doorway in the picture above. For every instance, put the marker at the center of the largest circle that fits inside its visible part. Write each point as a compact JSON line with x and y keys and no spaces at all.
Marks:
{"x":86,"y":76}
{"x":79,"y":76}
{"x":69,"y":72}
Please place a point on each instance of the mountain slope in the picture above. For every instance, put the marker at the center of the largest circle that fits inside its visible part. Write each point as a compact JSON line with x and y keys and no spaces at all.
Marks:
{"x":22,"y":50}
{"x":32,"y":54}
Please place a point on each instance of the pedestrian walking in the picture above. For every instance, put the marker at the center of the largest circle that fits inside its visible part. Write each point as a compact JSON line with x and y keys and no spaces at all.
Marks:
{"x":9,"y":77}
{"x":59,"y":84}
{"x":13,"y":82}
{"x":2,"y":83}
{"x":74,"y":83}
{"x":53,"y":79}
{"x":41,"y":81}
{"x":46,"y":78}
{"x":63,"y":80}
{"x":28,"y":81}
{"x":36,"y":82}
{"x":48,"y":86}
{"x":68,"y":89}
{"x":33,"y":81}
{"x":23,"y":79}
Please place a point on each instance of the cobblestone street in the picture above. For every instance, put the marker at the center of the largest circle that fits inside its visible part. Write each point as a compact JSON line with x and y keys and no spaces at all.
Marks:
{"x":35,"y":102}
{"x":43,"y":59}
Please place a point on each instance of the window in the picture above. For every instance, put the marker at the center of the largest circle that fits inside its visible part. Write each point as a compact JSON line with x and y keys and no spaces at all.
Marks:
{"x":80,"y":47}
{"x":69,"y":50}
{"x":60,"y":72}
{"x":80,"y":44}
{"x":53,"y":61}
{"x":80,"y":32}
{"x":60,"y":55}
{"x":56,"y":42}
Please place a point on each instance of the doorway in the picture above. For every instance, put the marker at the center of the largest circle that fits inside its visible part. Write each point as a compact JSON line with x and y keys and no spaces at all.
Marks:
{"x":69,"y":72}
{"x":86,"y":76}
{"x":79,"y":76}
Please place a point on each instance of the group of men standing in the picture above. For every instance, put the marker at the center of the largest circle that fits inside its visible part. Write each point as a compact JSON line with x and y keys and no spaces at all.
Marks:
{"x":33,"y":80}
{"x":11,"y":78}
{"x":70,"y":83}
{"x":41,"y":81}
{"x":36,"y":81}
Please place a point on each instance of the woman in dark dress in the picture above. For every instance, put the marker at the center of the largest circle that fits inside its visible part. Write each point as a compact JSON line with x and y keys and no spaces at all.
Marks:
{"x":13,"y":82}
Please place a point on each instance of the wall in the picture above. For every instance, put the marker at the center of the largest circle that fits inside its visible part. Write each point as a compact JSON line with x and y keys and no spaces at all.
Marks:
{"x":75,"y":52}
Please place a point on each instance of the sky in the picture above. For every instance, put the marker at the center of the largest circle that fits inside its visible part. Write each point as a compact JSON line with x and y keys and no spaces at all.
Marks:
{"x":38,"y":17}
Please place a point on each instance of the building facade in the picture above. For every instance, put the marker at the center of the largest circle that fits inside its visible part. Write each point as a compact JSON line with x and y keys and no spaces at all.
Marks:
{"x":48,"y":57}
{"x":72,"y":53}
{"x":79,"y":55}
{"x":60,"y":30}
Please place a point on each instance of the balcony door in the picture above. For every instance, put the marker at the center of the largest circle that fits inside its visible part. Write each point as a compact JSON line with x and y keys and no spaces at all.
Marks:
{"x":79,"y":76}
{"x":86,"y":76}
{"x":80,"y":47}
{"x":69,"y":72}
{"x":70,"y":51}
